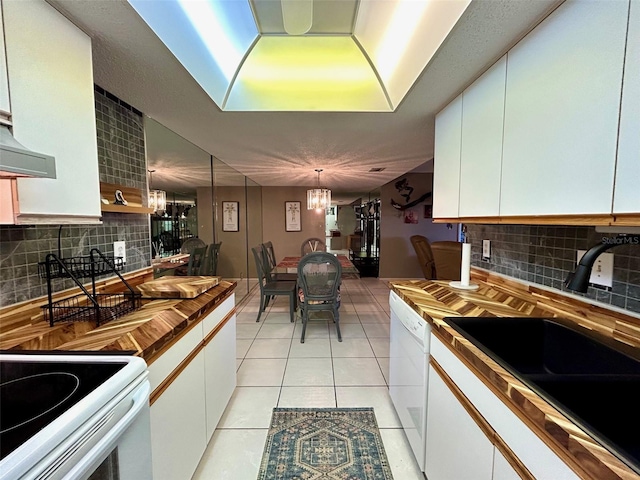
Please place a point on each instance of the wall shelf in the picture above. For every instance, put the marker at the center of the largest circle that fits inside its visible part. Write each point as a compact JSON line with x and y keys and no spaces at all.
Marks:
{"x":125,"y":209}
{"x":133,"y":196}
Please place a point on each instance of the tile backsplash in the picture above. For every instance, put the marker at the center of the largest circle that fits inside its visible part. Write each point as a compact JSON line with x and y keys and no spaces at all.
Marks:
{"x":545,"y":255}
{"x":121,"y":156}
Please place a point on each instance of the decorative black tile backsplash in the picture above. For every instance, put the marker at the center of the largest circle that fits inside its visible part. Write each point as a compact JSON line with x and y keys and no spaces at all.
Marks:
{"x":546,"y":254}
{"x":121,"y":157}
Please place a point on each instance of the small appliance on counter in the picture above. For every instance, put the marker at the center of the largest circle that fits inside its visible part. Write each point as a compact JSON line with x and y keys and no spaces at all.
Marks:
{"x":74,"y":416}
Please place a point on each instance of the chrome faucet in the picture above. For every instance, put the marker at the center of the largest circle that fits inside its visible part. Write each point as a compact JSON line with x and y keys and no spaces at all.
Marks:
{"x":578,"y":280}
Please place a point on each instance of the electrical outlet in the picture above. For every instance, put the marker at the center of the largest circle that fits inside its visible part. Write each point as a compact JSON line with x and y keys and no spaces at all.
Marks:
{"x":486,"y":249}
{"x":602,"y":271}
{"x":120,"y":250}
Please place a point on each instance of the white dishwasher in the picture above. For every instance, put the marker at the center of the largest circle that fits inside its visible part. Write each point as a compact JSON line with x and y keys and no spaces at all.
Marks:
{"x":408,"y":370}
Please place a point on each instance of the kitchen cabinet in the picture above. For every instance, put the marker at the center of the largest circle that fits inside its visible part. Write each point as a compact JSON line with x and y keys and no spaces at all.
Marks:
{"x":446,"y":163}
{"x":5,"y":105}
{"x":561,"y":112}
{"x":481,"y":147}
{"x":178,"y":429}
{"x":52,"y":105}
{"x":191,"y":383}
{"x":506,"y":429}
{"x":626,"y":193}
{"x":569,"y":147}
{"x":502,"y":469}
{"x":456,"y":446}
{"x":220,"y":365}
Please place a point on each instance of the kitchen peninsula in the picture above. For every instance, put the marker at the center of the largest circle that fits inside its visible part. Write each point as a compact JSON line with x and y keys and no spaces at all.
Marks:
{"x":536,"y":439}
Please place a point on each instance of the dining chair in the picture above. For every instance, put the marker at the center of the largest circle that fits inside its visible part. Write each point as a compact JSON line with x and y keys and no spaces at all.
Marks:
{"x":312,"y":245}
{"x":190,"y":243}
{"x":425,"y":256}
{"x":271,"y":288}
{"x":319,"y":278}
{"x":447,"y":257}
{"x":196,"y":262}
{"x":270,"y":263}
{"x":210,"y":262}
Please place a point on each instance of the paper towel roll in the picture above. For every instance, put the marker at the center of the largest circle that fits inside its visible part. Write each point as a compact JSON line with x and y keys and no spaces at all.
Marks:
{"x":465,"y":267}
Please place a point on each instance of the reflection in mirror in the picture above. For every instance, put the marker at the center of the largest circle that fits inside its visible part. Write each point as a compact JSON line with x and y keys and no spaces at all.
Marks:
{"x":231,"y":224}
{"x":183,"y":171}
{"x":254,"y":227}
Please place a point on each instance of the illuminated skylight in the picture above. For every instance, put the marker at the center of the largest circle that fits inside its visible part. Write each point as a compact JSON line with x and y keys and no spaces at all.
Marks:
{"x":368,"y":69}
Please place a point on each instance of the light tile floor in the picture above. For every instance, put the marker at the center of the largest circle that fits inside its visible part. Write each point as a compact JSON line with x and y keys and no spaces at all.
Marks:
{"x":276,"y":370}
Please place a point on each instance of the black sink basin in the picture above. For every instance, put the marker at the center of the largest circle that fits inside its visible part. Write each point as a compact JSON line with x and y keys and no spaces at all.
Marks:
{"x":588,"y":380}
{"x":603,"y":405}
{"x":539,"y":345}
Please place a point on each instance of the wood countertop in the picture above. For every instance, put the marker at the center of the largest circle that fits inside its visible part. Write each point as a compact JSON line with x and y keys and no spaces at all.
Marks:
{"x":502,"y":297}
{"x":145,"y":332}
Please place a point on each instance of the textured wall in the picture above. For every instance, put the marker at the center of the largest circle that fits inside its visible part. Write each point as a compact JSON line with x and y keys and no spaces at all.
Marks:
{"x":397,"y":257}
{"x":120,"y":137}
{"x":546,"y":254}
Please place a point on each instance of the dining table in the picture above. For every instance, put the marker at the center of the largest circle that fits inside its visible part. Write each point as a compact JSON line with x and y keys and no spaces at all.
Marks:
{"x":290,"y":265}
{"x":166,"y":265}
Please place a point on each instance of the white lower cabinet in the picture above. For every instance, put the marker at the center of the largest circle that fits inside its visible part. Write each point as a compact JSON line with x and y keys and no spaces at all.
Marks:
{"x":192,"y":383}
{"x":456,"y":447}
{"x":502,"y":469}
{"x":220,"y":373}
{"x":178,"y":427}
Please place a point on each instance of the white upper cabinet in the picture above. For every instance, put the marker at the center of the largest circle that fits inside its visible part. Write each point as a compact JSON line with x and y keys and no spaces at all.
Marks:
{"x":5,"y":106}
{"x":481,"y":153}
{"x":561,"y":112}
{"x":446,"y":162}
{"x":52,"y":103}
{"x":627,"y":192}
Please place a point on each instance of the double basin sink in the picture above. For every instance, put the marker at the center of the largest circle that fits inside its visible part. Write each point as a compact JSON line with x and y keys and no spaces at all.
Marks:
{"x":591,"y":381}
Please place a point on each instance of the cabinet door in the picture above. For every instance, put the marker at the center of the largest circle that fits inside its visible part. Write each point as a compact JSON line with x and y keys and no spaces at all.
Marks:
{"x":561,"y":112}
{"x":220,"y":373}
{"x":52,"y":104}
{"x":627,"y":194}
{"x":481,"y":153}
{"x":178,"y":429}
{"x":5,"y":107}
{"x":502,"y":470}
{"x":446,"y":162}
{"x":456,"y":447}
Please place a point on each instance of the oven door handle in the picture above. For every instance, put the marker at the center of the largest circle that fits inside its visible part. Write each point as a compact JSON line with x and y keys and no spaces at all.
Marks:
{"x":101,"y":450}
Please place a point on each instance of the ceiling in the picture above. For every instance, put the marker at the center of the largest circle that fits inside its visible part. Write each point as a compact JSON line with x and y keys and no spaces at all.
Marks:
{"x":285,"y":148}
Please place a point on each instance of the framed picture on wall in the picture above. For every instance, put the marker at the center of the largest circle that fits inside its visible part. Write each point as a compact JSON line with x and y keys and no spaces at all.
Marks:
{"x":230,"y":216}
{"x":428,"y":211}
{"x":292,"y":214}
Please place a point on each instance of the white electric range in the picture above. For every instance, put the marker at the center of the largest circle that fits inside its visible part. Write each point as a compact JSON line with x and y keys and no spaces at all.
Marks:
{"x":80,"y":417}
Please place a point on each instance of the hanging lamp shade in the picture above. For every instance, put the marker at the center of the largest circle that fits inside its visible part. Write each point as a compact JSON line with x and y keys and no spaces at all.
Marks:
{"x":318,"y":198}
{"x":158,"y":200}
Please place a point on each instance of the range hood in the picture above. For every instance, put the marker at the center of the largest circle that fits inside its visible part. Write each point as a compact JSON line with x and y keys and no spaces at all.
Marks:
{"x":18,"y":161}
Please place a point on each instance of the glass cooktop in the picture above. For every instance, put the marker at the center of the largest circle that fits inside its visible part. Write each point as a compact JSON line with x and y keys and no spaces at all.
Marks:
{"x":33,"y":394}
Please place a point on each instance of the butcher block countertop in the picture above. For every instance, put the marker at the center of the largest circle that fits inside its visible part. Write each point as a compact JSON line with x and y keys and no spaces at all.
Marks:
{"x":177,"y":287}
{"x":144,"y":332}
{"x":502,"y":297}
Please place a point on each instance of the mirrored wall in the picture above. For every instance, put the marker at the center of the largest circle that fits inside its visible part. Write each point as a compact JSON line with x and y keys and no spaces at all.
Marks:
{"x":206,"y":202}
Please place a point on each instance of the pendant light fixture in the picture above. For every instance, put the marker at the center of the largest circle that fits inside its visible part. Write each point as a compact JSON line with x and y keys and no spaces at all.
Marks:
{"x":318,"y":198}
{"x":157,"y":198}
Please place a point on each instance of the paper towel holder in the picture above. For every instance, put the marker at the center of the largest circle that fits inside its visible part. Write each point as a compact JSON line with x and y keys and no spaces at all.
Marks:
{"x":465,"y":269}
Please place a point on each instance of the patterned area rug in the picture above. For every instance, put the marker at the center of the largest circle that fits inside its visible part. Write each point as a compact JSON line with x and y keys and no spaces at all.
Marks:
{"x":324,"y":444}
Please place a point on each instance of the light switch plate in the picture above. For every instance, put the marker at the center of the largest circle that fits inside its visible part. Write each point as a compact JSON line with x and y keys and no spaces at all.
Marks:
{"x":602,"y":271}
{"x":120,"y":250}
{"x":486,"y":249}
